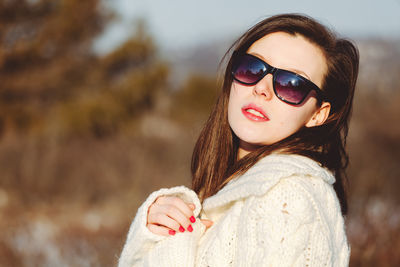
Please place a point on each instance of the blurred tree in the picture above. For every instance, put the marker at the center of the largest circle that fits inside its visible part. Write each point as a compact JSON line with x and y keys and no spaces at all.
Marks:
{"x":194,"y":100}
{"x":45,"y":51}
{"x":54,"y":85}
{"x":121,"y":86}
{"x":47,"y":63}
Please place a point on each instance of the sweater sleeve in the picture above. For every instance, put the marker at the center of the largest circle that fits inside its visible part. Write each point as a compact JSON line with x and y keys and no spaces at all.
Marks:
{"x":144,"y":248}
{"x":288,"y":230}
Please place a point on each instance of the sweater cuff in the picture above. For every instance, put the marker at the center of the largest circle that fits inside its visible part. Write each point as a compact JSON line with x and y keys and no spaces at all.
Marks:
{"x":176,"y":251}
{"x":140,"y":239}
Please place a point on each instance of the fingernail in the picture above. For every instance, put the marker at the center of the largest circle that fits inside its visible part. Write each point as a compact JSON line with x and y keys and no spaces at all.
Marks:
{"x":171,"y":232}
{"x":190,"y":229}
{"x":192,"y":219}
{"x":181,"y":229}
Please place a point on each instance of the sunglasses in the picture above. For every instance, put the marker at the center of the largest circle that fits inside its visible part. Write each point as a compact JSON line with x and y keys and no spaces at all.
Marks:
{"x":288,"y":86}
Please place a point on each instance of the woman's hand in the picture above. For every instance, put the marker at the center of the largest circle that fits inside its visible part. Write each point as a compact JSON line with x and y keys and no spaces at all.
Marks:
{"x":168,"y":215}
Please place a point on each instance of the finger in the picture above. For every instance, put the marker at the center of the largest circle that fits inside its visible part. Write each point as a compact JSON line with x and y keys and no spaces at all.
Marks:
{"x":179,"y":203}
{"x":207,"y":223}
{"x":160,"y":230}
{"x":163,"y":220}
{"x":176,"y":214}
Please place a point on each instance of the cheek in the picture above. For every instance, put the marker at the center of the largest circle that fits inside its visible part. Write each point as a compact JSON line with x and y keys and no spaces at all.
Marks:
{"x":235,"y":93}
{"x":295,"y":119}
{"x":233,"y":103}
{"x":230,"y":104}
{"x":286,"y":126}
{"x":291,"y":121}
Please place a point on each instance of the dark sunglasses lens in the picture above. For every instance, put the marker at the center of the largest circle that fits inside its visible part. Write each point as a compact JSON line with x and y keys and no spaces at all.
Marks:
{"x":248,"y":69}
{"x":290,"y":87}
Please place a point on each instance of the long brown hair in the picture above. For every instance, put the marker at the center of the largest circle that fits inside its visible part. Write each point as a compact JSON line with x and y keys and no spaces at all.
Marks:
{"x":214,"y":160}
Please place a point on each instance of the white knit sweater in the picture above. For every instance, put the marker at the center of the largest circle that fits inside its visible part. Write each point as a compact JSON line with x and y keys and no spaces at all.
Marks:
{"x":282,"y":212}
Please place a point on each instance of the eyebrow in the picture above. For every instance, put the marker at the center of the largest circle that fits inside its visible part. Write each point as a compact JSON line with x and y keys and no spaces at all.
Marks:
{"x":291,"y":69}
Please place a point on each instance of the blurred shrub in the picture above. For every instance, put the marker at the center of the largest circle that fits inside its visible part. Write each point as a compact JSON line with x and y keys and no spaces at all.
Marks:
{"x":193,"y":102}
{"x":45,"y":53}
{"x":138,"y":51}
{"x":374,"y":148}
{"x":103,"y":112}
{"x":51,"y":76}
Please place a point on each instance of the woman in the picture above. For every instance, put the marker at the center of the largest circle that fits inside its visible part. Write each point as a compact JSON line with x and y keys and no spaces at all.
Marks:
{"x":268,"y":167}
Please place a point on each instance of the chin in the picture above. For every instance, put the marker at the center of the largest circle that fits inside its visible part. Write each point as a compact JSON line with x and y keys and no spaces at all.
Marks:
{"x":256,"y":140}
{"x":253,"y":140}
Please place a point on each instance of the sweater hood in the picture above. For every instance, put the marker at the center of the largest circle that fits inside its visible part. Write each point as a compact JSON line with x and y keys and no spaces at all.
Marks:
{"x":266,"y":173}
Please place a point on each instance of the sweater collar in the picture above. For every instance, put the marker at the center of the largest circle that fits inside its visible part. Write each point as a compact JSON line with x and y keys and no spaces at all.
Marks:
{"x":266,"y":173}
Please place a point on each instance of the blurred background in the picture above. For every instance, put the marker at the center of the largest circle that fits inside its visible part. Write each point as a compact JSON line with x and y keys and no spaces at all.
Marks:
{"x":101,"y":103}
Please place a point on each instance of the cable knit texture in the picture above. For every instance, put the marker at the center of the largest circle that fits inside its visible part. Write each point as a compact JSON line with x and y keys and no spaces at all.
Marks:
{"x":282,"y":212}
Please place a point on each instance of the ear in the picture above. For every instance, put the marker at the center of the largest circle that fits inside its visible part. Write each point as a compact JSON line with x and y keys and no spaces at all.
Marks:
{"x":320,"y":115}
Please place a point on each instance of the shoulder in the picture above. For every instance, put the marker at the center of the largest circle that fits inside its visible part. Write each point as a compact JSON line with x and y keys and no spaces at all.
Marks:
{"x":299,"y":200}
{"x":268,"y":173}
{"x":291,"y":196}
{"x":298,"y":183}
{"x":284,"y":165}
{"x":297,"y":219}
{"x":298,"y":179}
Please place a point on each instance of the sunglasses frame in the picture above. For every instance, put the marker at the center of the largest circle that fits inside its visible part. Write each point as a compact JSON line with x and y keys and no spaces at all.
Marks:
{"x":274,"y":71}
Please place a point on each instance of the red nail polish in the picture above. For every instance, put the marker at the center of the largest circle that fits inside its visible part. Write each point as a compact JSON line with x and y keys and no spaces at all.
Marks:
{"x":171,"y":232}
{"x":190,"y":229}
{"x":192,"y":219}
{"x":181,"y":229}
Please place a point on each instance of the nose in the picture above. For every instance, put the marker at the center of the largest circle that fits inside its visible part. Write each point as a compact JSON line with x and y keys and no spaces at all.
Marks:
{"x":264,"y":87}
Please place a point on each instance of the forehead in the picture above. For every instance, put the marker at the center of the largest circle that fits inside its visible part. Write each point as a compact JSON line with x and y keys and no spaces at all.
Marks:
{"x":291,"y":52}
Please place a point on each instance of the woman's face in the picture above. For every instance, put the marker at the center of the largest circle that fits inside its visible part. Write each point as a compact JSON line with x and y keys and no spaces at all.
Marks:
{"x":279,"y":119}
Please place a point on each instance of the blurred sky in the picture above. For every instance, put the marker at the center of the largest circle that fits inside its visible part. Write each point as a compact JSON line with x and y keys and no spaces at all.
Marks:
{"x":178,"y":24}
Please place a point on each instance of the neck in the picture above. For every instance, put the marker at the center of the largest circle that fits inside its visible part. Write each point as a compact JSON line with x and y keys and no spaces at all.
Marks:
{"x":245,"y":148}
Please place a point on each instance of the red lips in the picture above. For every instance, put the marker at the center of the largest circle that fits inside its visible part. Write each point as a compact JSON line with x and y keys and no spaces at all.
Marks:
{"x":254,"y":113}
